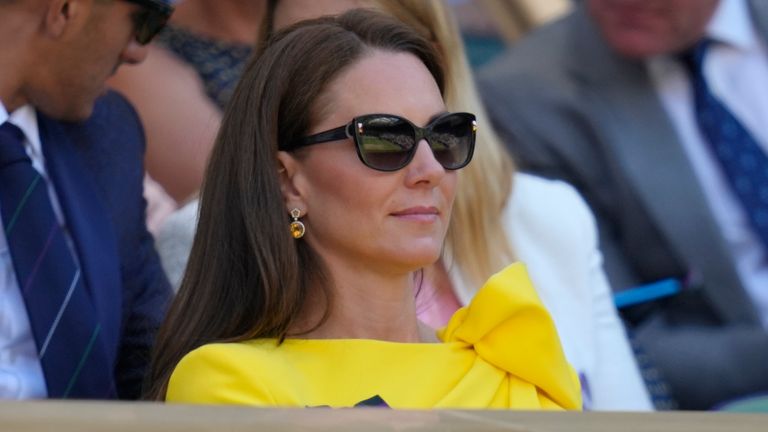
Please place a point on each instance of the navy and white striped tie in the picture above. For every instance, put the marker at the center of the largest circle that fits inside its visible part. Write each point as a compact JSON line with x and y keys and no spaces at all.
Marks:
{"x":63,"y":320}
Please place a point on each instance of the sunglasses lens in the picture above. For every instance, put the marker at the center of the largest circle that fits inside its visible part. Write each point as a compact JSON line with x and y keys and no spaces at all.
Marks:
{"x":147,"y":24}
{"x":385,"y":143}
{"x":452,"y":140}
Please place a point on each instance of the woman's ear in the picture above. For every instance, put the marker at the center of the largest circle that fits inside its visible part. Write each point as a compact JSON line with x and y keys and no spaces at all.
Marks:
{"x":291,"y":181}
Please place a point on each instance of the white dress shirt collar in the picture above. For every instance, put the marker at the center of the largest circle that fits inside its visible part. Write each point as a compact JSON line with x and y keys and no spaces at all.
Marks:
{"x":731,"y":24}
{"x":3,"y":113}
{"x":26,"y":120}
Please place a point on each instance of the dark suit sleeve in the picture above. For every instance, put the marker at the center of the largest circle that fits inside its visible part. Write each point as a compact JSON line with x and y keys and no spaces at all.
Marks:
{"x":146,"y":295}
{"x":707,"y":364}
{"x":117,"y":162}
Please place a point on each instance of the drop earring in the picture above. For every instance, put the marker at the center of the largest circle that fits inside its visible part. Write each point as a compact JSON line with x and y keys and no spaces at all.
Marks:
{"x":297,"y":227}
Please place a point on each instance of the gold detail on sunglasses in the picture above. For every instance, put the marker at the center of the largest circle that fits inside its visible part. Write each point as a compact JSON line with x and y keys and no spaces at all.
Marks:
{"x":360,"y":128}
{"x":474,"y":125}
{"x":297,"y":227}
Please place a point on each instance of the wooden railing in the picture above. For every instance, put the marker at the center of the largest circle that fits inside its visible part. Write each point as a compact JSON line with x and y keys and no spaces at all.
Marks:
{"x":153,"y":417}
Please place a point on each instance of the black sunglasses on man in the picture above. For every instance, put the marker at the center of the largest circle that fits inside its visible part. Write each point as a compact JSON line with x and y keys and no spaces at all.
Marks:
{"x":150,"y":19}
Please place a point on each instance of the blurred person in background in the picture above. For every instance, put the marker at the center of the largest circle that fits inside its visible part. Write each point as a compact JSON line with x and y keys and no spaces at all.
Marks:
{"x":489,"y":26}
{"x":656,"y":111}
{"x":182,"y":89}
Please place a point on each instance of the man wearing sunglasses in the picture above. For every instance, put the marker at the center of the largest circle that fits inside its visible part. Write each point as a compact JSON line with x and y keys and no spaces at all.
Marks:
{"x":81,"y":288}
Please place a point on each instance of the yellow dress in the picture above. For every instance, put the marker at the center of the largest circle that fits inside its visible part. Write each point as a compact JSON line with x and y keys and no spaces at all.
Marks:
{"x":501,"y":351}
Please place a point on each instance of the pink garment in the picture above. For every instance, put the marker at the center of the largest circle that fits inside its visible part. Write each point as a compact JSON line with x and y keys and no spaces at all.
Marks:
{"x":436,"y":303}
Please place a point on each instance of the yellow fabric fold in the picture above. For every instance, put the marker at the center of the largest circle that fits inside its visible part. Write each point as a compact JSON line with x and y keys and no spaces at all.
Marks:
{"x":501,"y":351}
{"x":508,"y":326}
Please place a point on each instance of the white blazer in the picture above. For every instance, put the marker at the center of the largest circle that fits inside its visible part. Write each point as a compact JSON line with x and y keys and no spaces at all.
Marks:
{"x":553,"y":232}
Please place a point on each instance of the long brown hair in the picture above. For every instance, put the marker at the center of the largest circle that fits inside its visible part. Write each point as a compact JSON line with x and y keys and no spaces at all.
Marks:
{"x":247,"y":277}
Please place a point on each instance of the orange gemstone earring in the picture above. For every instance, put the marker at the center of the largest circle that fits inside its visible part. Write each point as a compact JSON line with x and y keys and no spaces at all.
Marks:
{"x":297,"y":227}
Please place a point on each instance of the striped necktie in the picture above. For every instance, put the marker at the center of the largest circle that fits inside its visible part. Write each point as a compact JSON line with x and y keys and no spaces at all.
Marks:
{"x":741,"y":159}
{"x":62,"y":317}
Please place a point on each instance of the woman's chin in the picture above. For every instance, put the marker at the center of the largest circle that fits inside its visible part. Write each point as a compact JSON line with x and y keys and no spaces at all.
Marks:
{"x":417,"y":261}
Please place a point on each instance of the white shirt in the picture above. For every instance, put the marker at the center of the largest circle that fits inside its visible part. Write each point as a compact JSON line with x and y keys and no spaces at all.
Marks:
{"x":736,"y":69}
{"x":21,"y":375}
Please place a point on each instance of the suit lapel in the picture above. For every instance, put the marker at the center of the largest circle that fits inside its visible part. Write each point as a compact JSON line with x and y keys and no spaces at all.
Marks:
{"x":617,"y":93}
{"x":759,"y":13}
{"x":88,"y":226}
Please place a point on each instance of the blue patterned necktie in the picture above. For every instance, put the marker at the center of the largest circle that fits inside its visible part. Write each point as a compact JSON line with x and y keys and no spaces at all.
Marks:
{"x":64,"y":324}
{"x":742,"y":160}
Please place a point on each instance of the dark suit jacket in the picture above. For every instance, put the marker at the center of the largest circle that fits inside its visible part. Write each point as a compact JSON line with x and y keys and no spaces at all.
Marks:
{"x":97,"y":170}
{"x":571,"y":108}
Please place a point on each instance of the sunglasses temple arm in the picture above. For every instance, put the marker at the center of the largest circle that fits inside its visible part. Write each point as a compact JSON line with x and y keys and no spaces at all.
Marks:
{"x":323,"y":137}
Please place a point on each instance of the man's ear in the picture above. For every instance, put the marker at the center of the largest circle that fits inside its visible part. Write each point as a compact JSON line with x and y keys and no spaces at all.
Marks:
{"x":63,"y":14}
{"x":291,"y":181}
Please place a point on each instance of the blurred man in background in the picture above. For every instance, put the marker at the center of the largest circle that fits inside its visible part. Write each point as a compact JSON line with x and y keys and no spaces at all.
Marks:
{"x":656,"y":111}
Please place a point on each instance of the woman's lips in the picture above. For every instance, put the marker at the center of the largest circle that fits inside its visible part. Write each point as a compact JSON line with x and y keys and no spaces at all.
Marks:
{"x":418,"y":214}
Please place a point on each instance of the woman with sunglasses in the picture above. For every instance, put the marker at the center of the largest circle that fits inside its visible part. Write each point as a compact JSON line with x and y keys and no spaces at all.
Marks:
{"x":330,"y":186}
{"x":500,"y":216}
